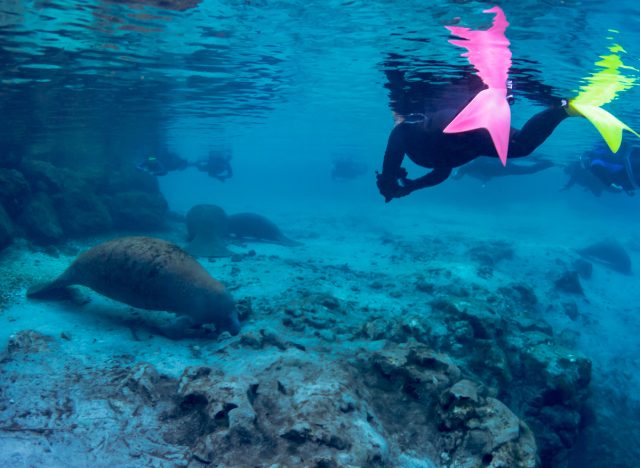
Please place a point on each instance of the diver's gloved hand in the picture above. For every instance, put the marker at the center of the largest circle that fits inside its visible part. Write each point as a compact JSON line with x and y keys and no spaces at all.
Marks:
{"x":391,"y":187}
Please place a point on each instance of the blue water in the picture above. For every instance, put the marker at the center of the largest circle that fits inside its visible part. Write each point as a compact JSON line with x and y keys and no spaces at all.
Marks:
{"x":289,"y":86}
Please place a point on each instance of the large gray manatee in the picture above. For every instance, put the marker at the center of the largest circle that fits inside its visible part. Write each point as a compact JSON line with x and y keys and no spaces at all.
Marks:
{"x":150,"y":274}
{"x":206,"y":230}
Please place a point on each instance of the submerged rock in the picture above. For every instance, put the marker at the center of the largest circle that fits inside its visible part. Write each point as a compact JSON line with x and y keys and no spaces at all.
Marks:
{"x":136,"y":210}
{"x":82,"y":213}
{"x":14,"y":191}
{"x":40,"y":220}
{"x":6,"y":228}
{"x":45,"y":177}
{"x":569,"y":282}
{"x":610,"y":253}
{"x":28,"y":341}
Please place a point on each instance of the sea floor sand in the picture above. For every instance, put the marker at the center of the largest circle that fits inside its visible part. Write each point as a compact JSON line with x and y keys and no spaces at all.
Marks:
{"x":377,"y":264}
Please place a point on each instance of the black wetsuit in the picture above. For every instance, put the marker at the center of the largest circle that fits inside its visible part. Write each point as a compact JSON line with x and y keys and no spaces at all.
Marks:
{"x":427,"y":146}
{"x":218,"y":167}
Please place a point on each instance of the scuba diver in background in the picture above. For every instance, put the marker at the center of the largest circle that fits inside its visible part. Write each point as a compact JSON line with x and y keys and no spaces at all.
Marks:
{"x":485,"y":169}
{"x":161,"y":166}
{"x":217,"y":165}
{"x":599,"y":170}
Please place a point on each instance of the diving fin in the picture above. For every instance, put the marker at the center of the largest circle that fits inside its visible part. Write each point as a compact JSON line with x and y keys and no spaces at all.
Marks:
{"x":600,"y":88}
{"x":609,"y":126}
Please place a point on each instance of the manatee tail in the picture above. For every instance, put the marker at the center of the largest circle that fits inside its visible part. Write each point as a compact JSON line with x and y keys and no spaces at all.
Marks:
{"x":490,"y":110}
{"x":49,"y":290}
{"x":289,"y":242}
{"x":609,"y":126}
{"x":206,"y":246}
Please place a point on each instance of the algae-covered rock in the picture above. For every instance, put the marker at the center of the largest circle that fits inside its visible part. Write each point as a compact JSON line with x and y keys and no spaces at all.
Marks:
{"x":82,"y":213}
{"x":14,"y":191}
{"x":40,"y":220}
{"x":569,"y":282}
{"x":11,"y":153}
{"x":27,"y":342}
{"x":291,"y":413}
{"x":137,"y":210}
{"x":6,"y":228}
{"x":45,"y":177}
{"x":126,"y":181}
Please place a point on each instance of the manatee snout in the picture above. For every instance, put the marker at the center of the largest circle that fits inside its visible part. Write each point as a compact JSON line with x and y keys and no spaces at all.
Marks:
{"x":230,"y":323}
{"x":225,"y":314}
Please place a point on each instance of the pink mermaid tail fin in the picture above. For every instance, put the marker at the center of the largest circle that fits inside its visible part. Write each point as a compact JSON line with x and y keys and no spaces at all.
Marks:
{"x":488,"y":52}
{"x":490,"y":110}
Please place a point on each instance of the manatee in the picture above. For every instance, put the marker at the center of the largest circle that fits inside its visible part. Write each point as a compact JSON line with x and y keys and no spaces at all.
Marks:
{"x":255,"y":226}
{"x":610,"y":253}
{"x":347,"y":169}
{"x":206,"y":231}
{"x":486,"y":168}
{"x":150,"y":274}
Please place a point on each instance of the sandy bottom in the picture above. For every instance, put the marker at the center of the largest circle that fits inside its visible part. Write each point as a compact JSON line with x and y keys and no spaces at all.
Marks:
{"x":370,"y":258}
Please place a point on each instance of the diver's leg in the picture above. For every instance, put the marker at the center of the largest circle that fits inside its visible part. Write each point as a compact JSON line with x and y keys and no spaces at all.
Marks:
{"x":633,"y":167}
{"x":537,"y":129}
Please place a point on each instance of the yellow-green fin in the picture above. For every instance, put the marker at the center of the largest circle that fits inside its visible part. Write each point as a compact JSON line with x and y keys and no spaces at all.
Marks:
{"x":609,"y":126}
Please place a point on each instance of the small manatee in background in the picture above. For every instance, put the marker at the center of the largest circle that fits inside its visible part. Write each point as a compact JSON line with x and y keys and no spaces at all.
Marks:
{"x":347,"y":168}
{"x":207,"y":228}
{"x":608,"y":252}
{"x":150,"y":274}
{"x":255,"y":226}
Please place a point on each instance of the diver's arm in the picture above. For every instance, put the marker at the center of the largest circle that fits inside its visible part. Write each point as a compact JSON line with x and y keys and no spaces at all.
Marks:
{"x":435,"y":177}
{"x":571,"y":170}
{"x":392,"y":171}
{"x":394,"y":154}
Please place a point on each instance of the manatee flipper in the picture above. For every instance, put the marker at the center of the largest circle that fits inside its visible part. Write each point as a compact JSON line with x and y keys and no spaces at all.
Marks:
{"x":177,"y":328}
{"x":288,"y":242}
{"x":206,"y":246}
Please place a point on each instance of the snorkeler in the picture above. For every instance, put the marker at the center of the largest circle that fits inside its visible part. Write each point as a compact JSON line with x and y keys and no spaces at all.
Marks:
{"x":452,"y":136}
{"x":602,"y":170}
{"x":422,"y":138}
